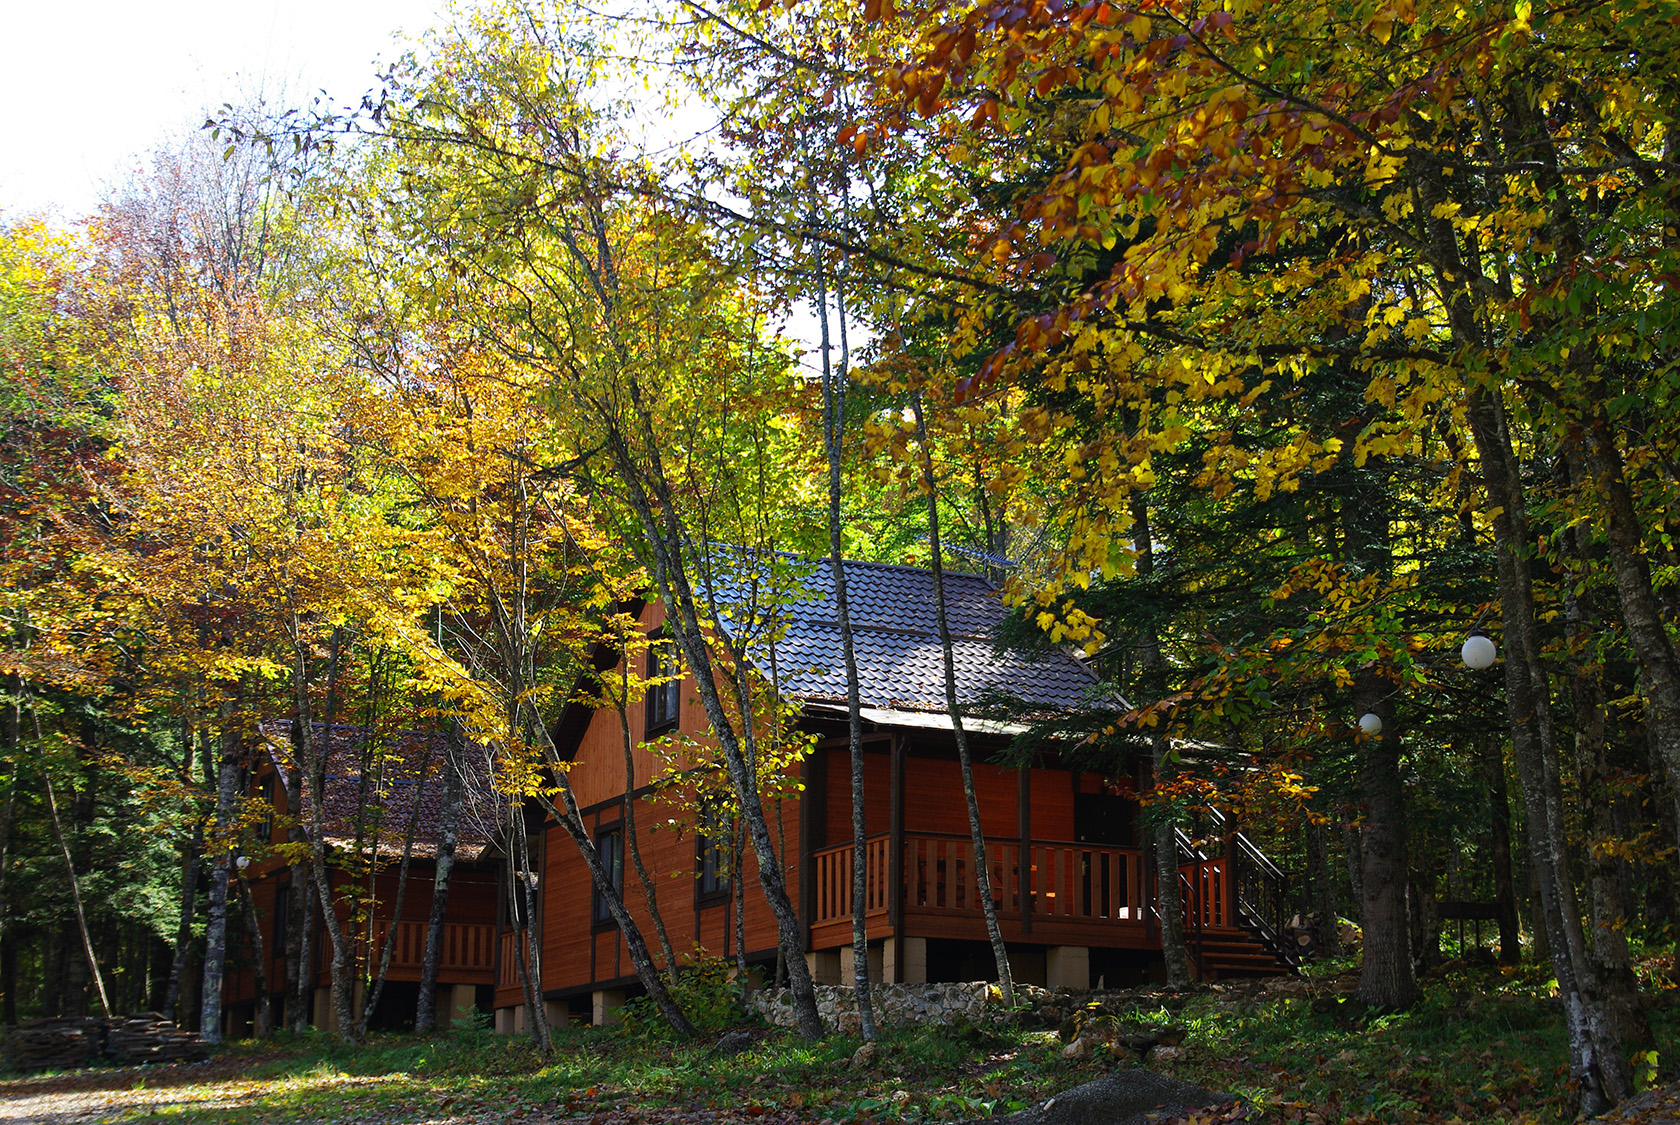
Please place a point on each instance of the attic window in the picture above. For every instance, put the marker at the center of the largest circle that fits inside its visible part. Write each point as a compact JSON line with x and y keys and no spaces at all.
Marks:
{"x":663,"y":699}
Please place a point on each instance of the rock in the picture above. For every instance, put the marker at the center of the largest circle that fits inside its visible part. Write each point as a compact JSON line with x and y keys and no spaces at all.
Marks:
{"x":1170,"y":1036}
{"x":1165,"y":1054}
{"x":1079,"y":1049}
{"x":1131,"y":1097}
{"x":733,"y":1043}
{"x":865,"y":1056}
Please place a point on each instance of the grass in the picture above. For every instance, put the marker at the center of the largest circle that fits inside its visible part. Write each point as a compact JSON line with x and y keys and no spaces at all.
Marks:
{"x":1484,"y":1045}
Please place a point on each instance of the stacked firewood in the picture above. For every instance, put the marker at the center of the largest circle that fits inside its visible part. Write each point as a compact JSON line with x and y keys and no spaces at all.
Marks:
{"x":67,"y":1042}
{"x":148,"y":1037}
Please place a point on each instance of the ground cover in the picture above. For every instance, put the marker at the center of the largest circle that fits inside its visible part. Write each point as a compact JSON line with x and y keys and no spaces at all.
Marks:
{"x":1485,"y":1045}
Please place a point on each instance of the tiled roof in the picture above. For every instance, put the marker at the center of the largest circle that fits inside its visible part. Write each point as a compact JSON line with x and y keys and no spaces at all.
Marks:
{"x":895,"y":634}
{"x":409,"y":768}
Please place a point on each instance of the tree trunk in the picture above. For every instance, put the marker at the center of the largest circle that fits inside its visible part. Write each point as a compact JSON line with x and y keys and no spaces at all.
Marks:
{"x":1504,"y":885}
{"x":1323,"y":887}
{"x":632,"y":838}
{"x":312,"y":763}
{"x":1168,"y":892}
{"x":522,"y":896}
{"x":262,"y":1023}
{"x":1354,"y":848}
{"x":982,"y":858}
{"x":1386,"y":976}
{"x":376,"y":987}
{"x":192,"y":846}
{"x":1659,"y":671}
{"x":425,"y":1012}
{"x":1597,"y":1061}
{"x":221,"y":846}
{"x":8,"y":981}
{"x":300,"y":976}
{"x":571,"y":819}
{"x":834,"y":426}
{"x":1607,"y":947}
{"x":650,"y":497}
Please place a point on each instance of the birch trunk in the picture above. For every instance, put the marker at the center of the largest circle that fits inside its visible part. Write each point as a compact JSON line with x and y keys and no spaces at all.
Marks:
{"x":834,"y":428}
{"x":649,"y":495}
{"x":982,"y":864}
{"x":262,"y":1023}
{"x":425,"y":1012}
{"x":1597,"y":1062}
{"x":215,"y":931}
{"x":311,"y":764}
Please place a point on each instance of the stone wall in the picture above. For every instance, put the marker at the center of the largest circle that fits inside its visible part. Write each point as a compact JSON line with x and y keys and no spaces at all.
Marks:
{"x":974,"y":1002}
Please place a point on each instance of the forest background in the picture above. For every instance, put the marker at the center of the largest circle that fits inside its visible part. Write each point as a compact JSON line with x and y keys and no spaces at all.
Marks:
{"x":1264,"y":353}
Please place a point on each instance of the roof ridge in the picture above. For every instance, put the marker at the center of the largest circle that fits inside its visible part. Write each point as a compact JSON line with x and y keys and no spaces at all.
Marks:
{"x":851,"y":562}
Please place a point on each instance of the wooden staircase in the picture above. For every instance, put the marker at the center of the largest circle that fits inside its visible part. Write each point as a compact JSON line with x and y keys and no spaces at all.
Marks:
{"x":1225,"y":952}
{"x":1256,"y":945}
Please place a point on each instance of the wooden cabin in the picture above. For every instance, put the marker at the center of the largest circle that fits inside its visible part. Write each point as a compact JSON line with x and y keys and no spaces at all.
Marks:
{"x":1070,"y":869}
{"x":381,"y":790}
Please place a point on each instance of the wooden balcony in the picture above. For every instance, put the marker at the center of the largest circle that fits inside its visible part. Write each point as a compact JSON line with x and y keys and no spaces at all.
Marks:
{"x":1046,"y":892}
{"x":467,"y":954}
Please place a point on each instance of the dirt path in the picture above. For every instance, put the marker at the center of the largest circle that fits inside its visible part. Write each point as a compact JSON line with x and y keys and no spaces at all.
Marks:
{"x":98,"y":1096}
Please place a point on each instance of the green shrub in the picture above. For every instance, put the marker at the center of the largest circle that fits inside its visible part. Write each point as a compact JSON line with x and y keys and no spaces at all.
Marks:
{"x":706,"y":991}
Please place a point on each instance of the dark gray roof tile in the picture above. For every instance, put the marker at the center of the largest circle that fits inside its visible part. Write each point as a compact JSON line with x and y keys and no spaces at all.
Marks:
{"x":896,"y":641}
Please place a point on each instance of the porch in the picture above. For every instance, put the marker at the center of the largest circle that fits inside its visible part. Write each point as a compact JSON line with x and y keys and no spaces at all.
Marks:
{"x":1050,"y":893}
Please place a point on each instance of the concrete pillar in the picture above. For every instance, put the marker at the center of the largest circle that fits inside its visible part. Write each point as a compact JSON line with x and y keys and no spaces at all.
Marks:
{"x":510,"y":1021}
{"x":456,"y":1002}
{"x":321,"y":1014}
{"x":875,"y":965}
{"x":607,"y":1002}
{"x":824,"y":965}
{"x":557,"y":1014}
{"x":904,"y":960}
{"x":1027,"y":966}
{"x":1067,"y":966}
{"x":754,"y":980}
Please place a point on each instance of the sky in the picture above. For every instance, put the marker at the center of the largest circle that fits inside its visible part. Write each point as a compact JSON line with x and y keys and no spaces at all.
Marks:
{"x":90,"y":88}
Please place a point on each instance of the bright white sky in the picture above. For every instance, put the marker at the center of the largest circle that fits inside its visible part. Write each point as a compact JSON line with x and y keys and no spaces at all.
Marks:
{"x":90,"y":87}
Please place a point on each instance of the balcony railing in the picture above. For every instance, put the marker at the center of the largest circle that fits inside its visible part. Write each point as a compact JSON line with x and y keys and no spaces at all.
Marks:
{"x":1042,"y":879}
{"x":464,"y":947}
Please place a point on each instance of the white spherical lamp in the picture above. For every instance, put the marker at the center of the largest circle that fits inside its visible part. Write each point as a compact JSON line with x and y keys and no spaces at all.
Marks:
{"x":242,"y":862}
{"x":1370,"y":723}
{"x":1479,"y":651}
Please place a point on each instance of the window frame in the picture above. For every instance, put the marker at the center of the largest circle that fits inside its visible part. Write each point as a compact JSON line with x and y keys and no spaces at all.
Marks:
{"x":600,"y":917}
{"x":282,"y":907}
{"x":663,"y":702}
{"x":712,"y":840}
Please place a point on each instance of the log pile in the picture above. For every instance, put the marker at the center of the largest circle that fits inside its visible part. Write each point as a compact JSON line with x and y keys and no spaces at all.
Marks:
{"x":148,"y":1037}
{"x":68,"y":1042}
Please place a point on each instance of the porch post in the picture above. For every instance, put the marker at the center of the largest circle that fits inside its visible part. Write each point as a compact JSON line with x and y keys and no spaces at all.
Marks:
{"x":813,"y":834}
{"x":895,"y":847}
{"x":1150,"y":878}
{"x":1023,"y":822}
{"x":1229,"y":906}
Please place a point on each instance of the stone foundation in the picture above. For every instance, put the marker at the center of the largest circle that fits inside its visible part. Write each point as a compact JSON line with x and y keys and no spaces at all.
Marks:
{"x":972,"y":1002}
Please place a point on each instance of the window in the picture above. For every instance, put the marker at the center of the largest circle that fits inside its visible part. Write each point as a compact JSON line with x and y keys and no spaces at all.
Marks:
{"x":610,"y":845}
{"x":663,"y":699}
{"x":714,"y":862}
{"x":282,"y":903}
{"x":267,"y":791}
{"x":712,"y":851}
